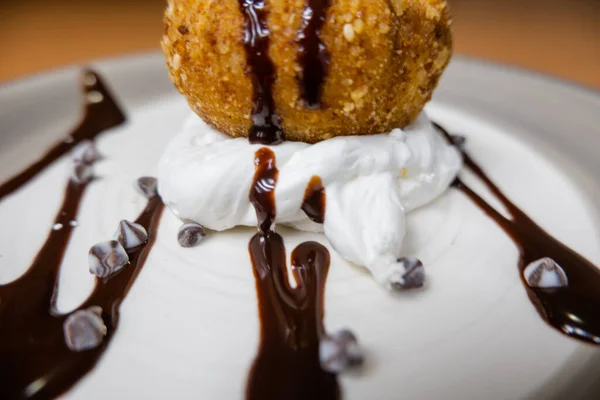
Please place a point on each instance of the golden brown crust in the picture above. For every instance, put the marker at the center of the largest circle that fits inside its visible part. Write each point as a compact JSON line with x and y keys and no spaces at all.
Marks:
{"x":386,"y":59}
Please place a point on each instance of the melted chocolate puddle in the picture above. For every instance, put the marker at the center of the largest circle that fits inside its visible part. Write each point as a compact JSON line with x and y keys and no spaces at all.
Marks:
{"x":572,"y":310}
{"x":101,"y":113}
{"x":287,"y":365}
{"x":266,"y":125}
{"x":313,"y":55}
{"x":36,"y":362}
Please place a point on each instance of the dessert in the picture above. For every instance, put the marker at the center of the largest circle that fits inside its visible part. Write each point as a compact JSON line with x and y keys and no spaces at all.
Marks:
{"x":356,"y":189}
{"x":203,"y":175}
{"x":312,"y":69}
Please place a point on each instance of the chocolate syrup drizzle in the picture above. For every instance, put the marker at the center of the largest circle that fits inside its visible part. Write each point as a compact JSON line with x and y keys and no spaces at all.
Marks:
{"x":287,"y":365}
{"x":573,"y":310}
{"x":266,"y":124}
{"x":313,"y":55}
{"x":98,"y":117}
{"x":35,"y":361}
{"x":315,"y":200}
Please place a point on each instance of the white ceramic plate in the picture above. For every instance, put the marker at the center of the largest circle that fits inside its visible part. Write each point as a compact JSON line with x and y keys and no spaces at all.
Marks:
{"x":189,"y":326}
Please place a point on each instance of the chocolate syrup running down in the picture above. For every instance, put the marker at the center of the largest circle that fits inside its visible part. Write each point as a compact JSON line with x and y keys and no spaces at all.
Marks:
{"x":313,"y":55}
{"x":262,"y":193}
{"x":98,"y":117}
{"x":35,"y":361}
{"x":314,"y":200}
{"x":266,"y":124}
{"x":287,"y":365}
{"x":574,"y":309}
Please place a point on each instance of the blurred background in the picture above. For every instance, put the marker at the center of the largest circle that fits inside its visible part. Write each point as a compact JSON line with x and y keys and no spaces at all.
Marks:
{"x":557,"y":37}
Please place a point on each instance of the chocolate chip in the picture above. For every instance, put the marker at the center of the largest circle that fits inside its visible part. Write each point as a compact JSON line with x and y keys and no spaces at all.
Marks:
{"x":85,"y":152}
{"x":415,"y":272}
{"x":459,"y":140}
{"x":411,"y":275}
{"x":147,"y":186}
{"x":130,"y":234}
{"x":190,"y":234}
{"x":340,"y":351}
{"x":183,"y":30}
{"x":82,"y":173}
{"x":545,"y":273}
{"x":106,"y":258}
{"x":84,"y":329}
{"x":350,"y":342}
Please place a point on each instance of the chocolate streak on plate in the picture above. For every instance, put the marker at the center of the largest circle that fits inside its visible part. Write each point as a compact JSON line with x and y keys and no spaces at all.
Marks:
{"x":313,"y":55}
{"x":101,"y":112}
{"x":573,"y":309}
{"x":287,"y":365}
{"x":266,"y":125}
{"x":35,"y":361}
{"x":315,"y":200}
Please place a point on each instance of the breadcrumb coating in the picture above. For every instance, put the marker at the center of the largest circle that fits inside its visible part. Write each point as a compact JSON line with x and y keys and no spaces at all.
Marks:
{"x":386,"y":58}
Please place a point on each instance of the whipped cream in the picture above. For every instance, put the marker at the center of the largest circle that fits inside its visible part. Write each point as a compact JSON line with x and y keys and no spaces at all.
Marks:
{"x":371,"y":182}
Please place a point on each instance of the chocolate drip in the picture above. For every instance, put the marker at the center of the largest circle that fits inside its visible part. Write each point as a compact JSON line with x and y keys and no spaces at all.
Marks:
{"x":287,"y":365}
{"x":101,"y":112}
{"x":313,"y":55}
{"x":572,"y":310}
{"x":36,"y":362}
{"x":262,"y":193}
{"x":266,"y":124}
{"x":315,"y":200}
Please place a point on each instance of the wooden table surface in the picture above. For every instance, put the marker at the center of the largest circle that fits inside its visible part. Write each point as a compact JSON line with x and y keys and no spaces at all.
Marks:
{"x":558,"y":37}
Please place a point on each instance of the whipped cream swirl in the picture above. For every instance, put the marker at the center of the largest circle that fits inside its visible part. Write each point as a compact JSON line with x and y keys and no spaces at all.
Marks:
{"x":370,"y":182}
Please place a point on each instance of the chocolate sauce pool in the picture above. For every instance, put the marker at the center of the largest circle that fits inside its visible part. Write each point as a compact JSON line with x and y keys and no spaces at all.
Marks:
{"x":35,"y":362}
{"x":572,"y":310}
{"x":287,"y":365}
{"x":312,"y":53}
{"x":266,"y":124}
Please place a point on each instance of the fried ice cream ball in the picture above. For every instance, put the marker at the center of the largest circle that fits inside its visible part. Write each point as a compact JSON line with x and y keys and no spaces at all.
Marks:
{"x":385,"y":58}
